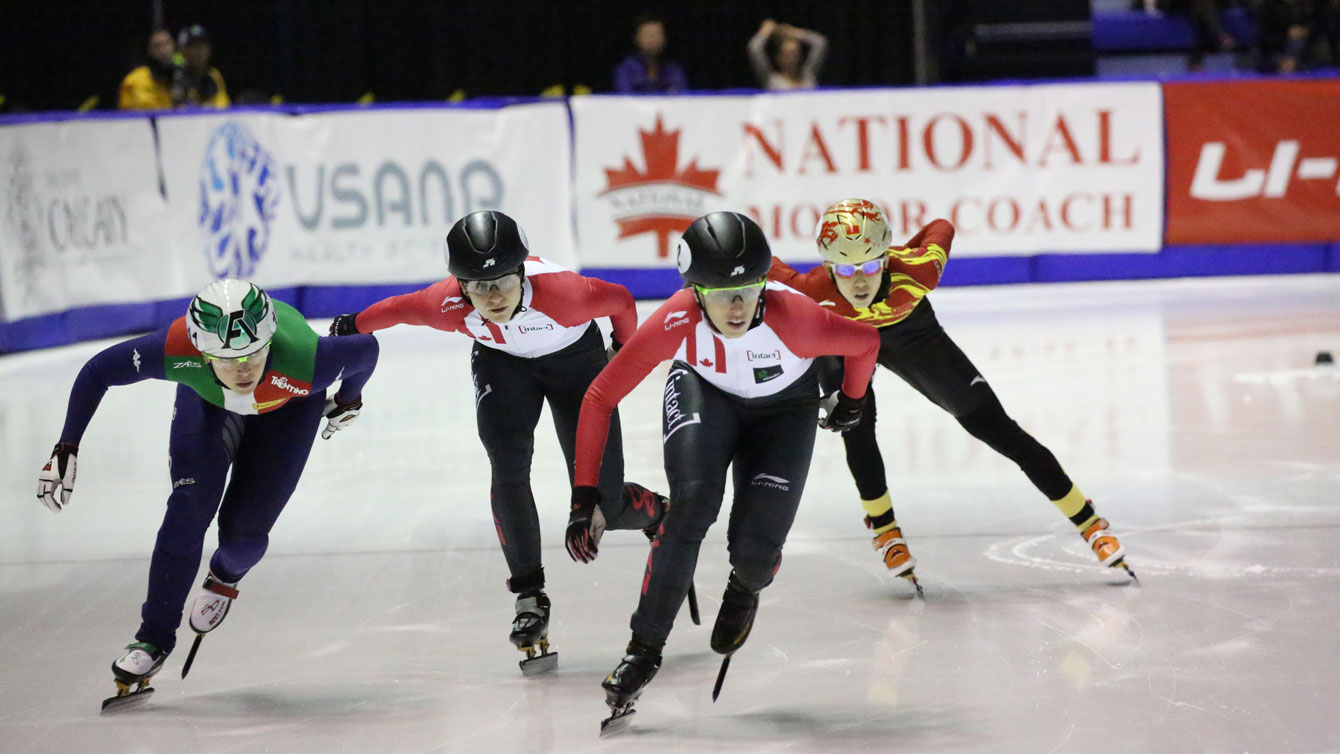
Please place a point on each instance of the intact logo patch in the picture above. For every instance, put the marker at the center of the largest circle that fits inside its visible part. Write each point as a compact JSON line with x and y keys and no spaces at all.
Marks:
{"x":763,"y":374}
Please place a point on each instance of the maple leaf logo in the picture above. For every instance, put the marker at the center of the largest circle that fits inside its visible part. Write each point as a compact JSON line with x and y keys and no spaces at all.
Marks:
{"x":663,"y":198}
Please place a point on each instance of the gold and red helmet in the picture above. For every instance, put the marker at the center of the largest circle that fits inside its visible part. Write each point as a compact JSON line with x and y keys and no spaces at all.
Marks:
{"x":853,"y":231}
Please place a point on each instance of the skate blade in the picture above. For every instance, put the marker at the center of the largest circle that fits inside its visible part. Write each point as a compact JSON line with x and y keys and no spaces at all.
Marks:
{"x":123,"y":702}
{"x":539,"y":664}
{"x":912,"y":577}
{"x":1121,"y":563}
{"x":721,"y":678}
{"x":619,"y":720}
{"x":693,"y":605}
{"x":190,"y":657}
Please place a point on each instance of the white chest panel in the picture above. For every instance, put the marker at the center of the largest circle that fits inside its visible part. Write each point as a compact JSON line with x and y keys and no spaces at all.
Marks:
{"x":751,"y":366}
{"x":527,"y":335}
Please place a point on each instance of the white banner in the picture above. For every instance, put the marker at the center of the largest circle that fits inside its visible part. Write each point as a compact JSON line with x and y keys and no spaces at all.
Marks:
{"x":1017,"y":169}
{"x":360,"y":197}
{"x":81,"y":216}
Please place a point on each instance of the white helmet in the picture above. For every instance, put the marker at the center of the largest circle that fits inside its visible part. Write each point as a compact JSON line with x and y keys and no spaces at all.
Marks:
{"x":230,"y":318}
{"x":853,"y":231}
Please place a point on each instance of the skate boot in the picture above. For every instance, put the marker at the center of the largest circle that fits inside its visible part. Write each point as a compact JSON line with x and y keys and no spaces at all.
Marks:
{"x":530,"y":629}
{"x":625,"y":684}
{"x":210,"y":608}
{"x":134,"y":669}
{"x":1105,"y":545}
{"x":893,"y":549}
{"x":735,"y":620}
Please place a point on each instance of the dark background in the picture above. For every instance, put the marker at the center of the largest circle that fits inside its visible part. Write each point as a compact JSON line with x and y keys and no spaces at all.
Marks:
{"x":56,"y":53}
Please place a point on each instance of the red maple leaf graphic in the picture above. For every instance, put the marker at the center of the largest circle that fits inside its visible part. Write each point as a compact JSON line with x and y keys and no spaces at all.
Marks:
{"x":660,"y":151}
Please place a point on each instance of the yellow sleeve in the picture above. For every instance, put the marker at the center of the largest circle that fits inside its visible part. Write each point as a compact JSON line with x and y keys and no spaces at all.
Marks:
{"x":139,"y":92}
{"x":220,"y":97}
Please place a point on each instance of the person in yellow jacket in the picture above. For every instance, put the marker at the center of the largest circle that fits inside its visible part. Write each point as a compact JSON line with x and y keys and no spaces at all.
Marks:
{"x":203,"y":82}
{"x":152,"y":85}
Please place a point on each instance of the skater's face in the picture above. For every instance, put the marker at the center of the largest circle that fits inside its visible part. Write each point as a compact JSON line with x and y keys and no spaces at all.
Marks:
{"x":496,"y":300}
{"x":731,"y":310}
{"x":860,"y":287}
{"x":240,"y":375}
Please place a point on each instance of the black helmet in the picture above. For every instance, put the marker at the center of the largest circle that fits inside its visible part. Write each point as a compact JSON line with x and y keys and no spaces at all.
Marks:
{"x":723,"y":249}
{"x":485,"y":245}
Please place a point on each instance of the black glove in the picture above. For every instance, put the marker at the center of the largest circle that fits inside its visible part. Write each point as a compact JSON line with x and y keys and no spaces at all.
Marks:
{"x":585,"y":524}
{"x":845,"y":413}
{"x":344,"y":325}
{"x":613,"y":349}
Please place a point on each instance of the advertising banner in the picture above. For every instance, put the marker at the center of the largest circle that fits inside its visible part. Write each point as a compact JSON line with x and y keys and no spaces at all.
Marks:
{"x":1018,"y":169}
{"x":82,"y":221}
{"x":356,"y":198}
{"x":1253,"y":161}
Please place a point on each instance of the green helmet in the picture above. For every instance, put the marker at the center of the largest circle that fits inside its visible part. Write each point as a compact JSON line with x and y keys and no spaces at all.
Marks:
{"x":229,"y":319}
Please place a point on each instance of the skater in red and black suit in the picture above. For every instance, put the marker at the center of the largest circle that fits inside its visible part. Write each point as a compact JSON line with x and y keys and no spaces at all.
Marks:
{"x":742,"y":393}
{"x":864,"y":279}
{"x":535,"y":340}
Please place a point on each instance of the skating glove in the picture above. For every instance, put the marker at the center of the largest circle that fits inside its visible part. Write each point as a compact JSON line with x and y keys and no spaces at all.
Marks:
{"x":59,"y":472}
{"x":586,"y":524}
{"x":613,"y":349}
{"x":844,"y":412}
{"x":345,"y":324}
{"x":339,"y":415}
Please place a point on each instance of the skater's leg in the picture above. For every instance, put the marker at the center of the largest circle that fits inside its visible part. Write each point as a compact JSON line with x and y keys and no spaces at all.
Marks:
{"x":265,"y":473}
{"x":700,"y":432}
{"x":203,"y":441}
{"x":508,"y":407}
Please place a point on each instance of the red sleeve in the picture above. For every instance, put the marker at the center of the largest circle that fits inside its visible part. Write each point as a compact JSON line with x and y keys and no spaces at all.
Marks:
{"x":655,"y":341}
{"x":441,"y":306}
{"x":810,"y":330}
{"x":923,"y":259}
{"x":783,"y":273}
{"x":572,"y":299}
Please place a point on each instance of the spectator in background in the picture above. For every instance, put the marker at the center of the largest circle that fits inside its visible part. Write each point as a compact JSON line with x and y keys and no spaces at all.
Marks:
{"x":786,"y":57}
{"x":203,"y":82}
{"x":1283,"y":32}
{"x":1204,"y":16}
{"x":645,"y":71}
{"x":156,"y":85}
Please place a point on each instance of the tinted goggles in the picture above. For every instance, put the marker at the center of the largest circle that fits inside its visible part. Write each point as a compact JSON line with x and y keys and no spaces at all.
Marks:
{"x":484,"y":287}
{"x":871,"y":267}
{"x":748,"y":294}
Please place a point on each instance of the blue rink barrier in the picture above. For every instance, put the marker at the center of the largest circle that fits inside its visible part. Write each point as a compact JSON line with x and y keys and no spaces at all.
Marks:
{"x":320,"y":301}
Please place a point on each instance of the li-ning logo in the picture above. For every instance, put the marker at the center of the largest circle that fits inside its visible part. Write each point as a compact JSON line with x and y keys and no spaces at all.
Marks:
{"x":1272,"y":183}
{"x":775,"y":355}
{"x":239,"y":193}
{"x":662,"y":199}
{"x":452,"y":303}
{"x":281,"y":381}
{"x":675,"y":319}
{"x":768,"y":480}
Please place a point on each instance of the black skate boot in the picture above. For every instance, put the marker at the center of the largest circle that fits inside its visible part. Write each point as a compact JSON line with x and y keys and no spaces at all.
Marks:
{"x":530,"y":630}
{"x":625,"y":684}
{"x":134,"y":669}
{"x":734,"y":622}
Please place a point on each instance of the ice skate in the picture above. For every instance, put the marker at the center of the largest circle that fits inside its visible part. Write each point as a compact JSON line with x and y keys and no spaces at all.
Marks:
{"x":897,"y":558}
{"x":210,"y":608}
{"x":530,"y":632}
{"x":735,"y":620}
{"x":132,"y":672}
{"x":1105,"y":545}
{"x":625,"y":684}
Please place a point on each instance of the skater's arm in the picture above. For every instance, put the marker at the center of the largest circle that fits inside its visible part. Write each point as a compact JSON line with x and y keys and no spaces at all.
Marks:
{"x":922,"y":261}
{"x":811,"y":331}
{"x":784,"y":273}
{"x":350,"y":359}
{"x":122,"y":364}
{"x":428,"y":307}
{"x":571,"y":299}
{"x":655,"y":341}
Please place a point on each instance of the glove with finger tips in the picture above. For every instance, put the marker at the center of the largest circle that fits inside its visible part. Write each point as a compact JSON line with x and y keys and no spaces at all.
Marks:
{"x":59,"y":473}
{"x":345,"y":324}
{"x":339,"y":415}
{"x":845,"y":413}
{"x":586,"y":524}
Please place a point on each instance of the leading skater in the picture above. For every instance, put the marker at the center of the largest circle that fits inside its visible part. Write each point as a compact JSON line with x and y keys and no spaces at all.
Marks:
{"x":252,"y":379}
{"x":865,"y":279}
{"x":535,"y":340}
{"x":743,"y":390}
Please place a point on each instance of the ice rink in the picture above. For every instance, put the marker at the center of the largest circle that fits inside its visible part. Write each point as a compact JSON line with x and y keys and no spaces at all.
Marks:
{"x":1190,"y":411}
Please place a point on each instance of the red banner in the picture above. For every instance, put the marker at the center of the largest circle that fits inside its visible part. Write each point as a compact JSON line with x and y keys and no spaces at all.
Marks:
{"x":1253,"y":161}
